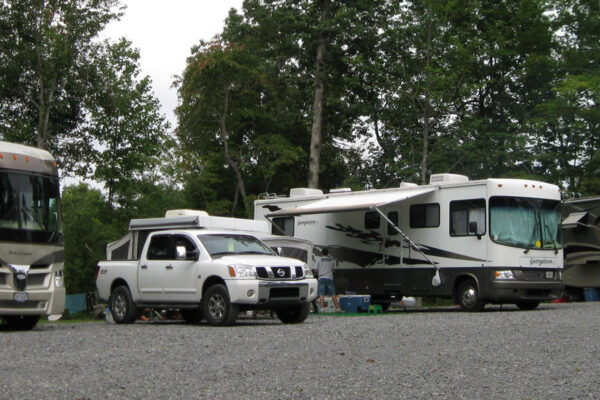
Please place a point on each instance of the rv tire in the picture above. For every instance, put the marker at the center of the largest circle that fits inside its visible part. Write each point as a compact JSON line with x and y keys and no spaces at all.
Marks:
{"x":217,"y":308}
{"x":122,"y":307}
{"x":467,"y":296}
{"x":528,"y":305}
{"x":294,"y":315}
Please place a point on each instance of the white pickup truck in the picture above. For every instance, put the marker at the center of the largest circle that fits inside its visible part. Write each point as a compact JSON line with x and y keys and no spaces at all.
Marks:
{"x":205,"y":273}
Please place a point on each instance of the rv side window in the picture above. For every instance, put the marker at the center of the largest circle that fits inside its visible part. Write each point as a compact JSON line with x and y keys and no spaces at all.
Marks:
{"x":159,"y":248}
{"x":425,"y":215}
{"x":392,"y":216}
{"x":371,"y":220}
{"x":464,"y":215}
{"x":285,"y":225}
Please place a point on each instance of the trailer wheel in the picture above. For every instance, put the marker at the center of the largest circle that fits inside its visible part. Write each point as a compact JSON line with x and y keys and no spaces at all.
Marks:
{"x":217,"y":308}
{"x":21,"y":322}
{"x":191,"y":316}
{"x":294,"y":315}
{"x":528,"y":305}
{"x":122,"y":307}
{"x":467,"y":296}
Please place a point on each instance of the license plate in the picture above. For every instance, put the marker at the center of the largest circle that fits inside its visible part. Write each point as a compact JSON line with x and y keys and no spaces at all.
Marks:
{"x":21,"y":297}
{"x":549,"y":274}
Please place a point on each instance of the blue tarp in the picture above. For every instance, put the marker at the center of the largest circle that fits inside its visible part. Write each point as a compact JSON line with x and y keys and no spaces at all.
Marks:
{"x":75,"y":303}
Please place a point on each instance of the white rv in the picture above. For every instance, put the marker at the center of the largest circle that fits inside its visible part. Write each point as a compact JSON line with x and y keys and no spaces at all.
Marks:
{"x":477,"y":242}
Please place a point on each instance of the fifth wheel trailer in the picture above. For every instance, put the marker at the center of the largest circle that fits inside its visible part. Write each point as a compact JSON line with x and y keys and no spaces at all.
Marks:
{"x":477,"y":242}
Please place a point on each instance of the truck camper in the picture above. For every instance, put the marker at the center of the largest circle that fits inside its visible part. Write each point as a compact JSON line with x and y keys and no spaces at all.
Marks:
{"x":476,"y":242}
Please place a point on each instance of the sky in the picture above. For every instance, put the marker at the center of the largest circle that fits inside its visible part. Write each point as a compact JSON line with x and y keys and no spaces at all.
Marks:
{"x":164,"y":31}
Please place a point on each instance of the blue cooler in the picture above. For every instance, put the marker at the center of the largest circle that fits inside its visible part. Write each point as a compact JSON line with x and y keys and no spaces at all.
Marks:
{"x":591,"y":294}
{"x":354,"y":304}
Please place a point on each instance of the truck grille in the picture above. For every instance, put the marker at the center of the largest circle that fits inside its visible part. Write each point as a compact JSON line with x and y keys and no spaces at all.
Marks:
{"x":279,"y":273}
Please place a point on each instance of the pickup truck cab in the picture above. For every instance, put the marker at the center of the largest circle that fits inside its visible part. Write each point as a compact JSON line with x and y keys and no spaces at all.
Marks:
{"x":206,"y":274}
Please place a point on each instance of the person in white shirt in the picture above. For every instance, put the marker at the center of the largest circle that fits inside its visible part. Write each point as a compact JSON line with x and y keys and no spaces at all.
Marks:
{"x":324,"y":266}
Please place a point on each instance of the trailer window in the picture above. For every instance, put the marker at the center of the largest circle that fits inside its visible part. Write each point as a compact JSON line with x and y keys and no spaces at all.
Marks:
{"x":464,"y":215}
{"x":425,"y":215}
{"x":392,"y":216}
{"x":372,"y":220}
{"x":283,"y":226}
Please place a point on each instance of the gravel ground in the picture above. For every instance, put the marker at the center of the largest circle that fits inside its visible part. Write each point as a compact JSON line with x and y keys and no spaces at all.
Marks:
{"x":502,"y":353}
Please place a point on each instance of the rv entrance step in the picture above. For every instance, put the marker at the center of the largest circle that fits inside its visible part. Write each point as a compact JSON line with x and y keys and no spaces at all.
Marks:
{"x":375,"y":308}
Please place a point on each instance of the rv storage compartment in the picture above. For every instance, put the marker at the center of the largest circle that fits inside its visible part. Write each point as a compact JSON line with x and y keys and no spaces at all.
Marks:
{"x":354,"y":304}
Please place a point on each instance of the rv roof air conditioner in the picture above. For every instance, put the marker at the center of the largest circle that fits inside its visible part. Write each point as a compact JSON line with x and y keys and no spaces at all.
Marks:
{"x":305,"y":192}
{"x":185,"y":213}
{"x":448,"y":178}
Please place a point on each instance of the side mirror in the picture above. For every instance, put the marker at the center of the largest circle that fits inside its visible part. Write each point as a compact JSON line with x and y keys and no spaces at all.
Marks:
{"x":473,"y":229}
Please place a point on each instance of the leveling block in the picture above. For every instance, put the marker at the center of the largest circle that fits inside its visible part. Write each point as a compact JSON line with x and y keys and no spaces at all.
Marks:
{"x":375,"y":309}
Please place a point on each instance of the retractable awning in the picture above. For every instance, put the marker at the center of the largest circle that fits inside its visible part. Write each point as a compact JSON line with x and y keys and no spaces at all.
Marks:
{"x":355,"y":201}
{"x":574,"y":220}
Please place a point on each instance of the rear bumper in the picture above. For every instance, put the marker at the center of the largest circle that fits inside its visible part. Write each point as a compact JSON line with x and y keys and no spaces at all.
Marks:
{"x":39,"y":302}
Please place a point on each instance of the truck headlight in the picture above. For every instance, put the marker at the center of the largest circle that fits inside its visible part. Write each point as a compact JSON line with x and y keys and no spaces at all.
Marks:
{"x":242,"y":271}
{"x":504,"y":275}
{"x":307,"y":272}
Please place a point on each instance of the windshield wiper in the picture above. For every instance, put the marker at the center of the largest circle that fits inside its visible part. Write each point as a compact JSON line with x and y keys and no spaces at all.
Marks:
{"x":535,"y":226}
{"x":551,"y":237}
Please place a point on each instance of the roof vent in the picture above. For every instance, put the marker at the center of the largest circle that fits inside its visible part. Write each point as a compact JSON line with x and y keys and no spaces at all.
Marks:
{"x":305,"y":192}
{"x":185,"y":213}
{"x":340,"y":190}
{"x":448,"y":178}
{"x":405,"y":185}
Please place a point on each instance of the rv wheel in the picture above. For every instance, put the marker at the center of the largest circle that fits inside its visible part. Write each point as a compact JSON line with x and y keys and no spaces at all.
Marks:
{"x":467,"y":296}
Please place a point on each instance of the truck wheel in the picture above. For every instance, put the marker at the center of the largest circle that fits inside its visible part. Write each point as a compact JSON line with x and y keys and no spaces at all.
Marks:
{"x":294,"y":315}
{"x":467,"y":296}
{"x":217,"y":308}
{"x":192,"y":315}
{"x":21,"y":322}
{"x":528,"y":305}
{"x":122,"y":307}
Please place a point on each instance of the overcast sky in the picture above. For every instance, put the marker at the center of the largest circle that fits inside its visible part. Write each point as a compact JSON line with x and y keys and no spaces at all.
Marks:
{"x":164,"y":31}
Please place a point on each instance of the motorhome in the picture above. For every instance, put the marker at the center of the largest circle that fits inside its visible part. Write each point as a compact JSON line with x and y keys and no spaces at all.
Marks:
{"x":581,"y":232}
{"x":31,"y":238}
{"x":476,"y":242}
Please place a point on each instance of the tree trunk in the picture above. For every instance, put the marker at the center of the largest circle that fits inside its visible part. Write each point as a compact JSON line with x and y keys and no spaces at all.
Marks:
{"x":319,"y":101}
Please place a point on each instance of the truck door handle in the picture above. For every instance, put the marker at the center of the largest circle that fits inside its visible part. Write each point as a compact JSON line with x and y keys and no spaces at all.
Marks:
{"x":144,"y":267}
{"x":169,"y":267}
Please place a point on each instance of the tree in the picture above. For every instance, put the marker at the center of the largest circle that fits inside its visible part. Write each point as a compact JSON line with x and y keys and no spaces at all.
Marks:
{"x":44,"y":66}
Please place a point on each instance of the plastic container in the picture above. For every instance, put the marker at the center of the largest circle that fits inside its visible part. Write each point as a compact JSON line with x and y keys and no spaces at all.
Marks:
{"x":108,"y":316}
{"x":591,"y":294}
{"x":354,"y":304}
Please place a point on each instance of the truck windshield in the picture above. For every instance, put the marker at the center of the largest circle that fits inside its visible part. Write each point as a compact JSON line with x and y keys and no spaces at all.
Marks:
{"x":29,"y":208}
{"x":230,"y":244}
{"x":524,"y":222}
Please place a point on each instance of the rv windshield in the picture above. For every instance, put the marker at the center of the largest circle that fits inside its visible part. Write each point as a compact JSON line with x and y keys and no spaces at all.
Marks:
{"x":29,"y":208}
{"x":526,"y":223}
{"x":219,"y":245}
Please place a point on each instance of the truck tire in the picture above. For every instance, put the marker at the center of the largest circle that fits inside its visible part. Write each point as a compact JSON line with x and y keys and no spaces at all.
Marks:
{"x":191,"y":315}
{"x":294,"y":315}
{"x":21,"y":322}
{"x":216,"y":307}
{"x":122,"y":307}
{"x":467,"y":296}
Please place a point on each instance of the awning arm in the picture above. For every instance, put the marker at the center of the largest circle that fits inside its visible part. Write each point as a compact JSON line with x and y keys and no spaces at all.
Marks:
{"x":436,"y":281}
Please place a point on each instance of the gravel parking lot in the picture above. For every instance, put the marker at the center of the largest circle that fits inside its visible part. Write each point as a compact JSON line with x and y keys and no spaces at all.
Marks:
{"x":502,"y":353}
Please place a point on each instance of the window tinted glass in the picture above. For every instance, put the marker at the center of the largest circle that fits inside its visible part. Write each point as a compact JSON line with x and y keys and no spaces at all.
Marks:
{"x":465,"y":212}
{"x":285,"y":225}
{"x":184,"y":241}
{"x":392,"y":216}
{"x":159,"y":248}
{"x":425,"y":215}
{"x":372,"y":220}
